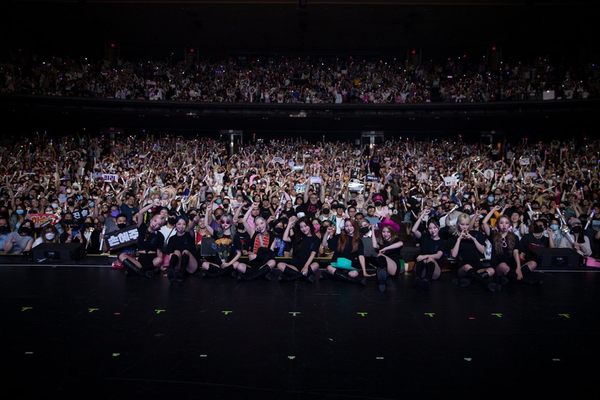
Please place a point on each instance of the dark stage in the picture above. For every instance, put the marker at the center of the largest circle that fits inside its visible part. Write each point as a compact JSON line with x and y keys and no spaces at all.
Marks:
{"x":91,"y":332}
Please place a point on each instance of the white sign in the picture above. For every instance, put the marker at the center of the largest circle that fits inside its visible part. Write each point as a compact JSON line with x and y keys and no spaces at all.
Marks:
{"x":278,"y":160}
{"x":524,"y":161}
{"x":298,"y":168}
{"x":110,"y":177}
{"x":450,"y":180}
{"x":316,"y":179}
{"x":356,"y":186}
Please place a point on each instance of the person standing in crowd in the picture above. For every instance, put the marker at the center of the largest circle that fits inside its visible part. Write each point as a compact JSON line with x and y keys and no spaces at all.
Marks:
{"x":19,"y":242}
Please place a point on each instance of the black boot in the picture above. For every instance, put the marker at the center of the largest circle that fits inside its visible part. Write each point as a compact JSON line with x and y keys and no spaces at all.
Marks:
{"x":346,"y":278}
{"x":185,"y":261}
{"x":172,"y":272}
{"x":310,"y":275}
{"x":214,"y":271}
{"x":131,"y":268}
{"x":289,"y":274}
{"x":381,"y":278}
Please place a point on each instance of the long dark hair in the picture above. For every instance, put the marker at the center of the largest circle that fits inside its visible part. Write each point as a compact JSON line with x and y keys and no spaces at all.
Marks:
{"x":356,"y":238}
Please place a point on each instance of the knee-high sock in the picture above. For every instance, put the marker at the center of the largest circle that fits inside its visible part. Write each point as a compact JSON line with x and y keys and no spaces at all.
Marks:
{"x":419,"y":268}
{"x":185,"y":260}
{"x":173,"y":261}
{"x":429,"y":270}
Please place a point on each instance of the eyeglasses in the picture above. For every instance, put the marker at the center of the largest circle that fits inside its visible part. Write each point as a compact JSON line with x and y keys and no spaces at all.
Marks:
{"x":223,"y":222}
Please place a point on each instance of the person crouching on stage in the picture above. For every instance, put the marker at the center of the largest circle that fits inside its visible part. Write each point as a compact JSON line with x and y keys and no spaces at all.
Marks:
{"x":468,"y":248}
{"x":229,"y":249}
{"x":149,"y":243}
{"x":348,"y":254}
{"x":182,"y":249}
{"x":305,"y":246}
{"x":505,"y":248}
{"x":432,"y":248}
{"x":261,"y":258}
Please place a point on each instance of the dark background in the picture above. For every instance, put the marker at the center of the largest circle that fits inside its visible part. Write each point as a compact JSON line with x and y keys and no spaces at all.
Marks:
{"x":521,"y":30}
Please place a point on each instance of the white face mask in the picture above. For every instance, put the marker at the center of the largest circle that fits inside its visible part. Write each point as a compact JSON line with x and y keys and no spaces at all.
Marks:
{"x":49,"y":236}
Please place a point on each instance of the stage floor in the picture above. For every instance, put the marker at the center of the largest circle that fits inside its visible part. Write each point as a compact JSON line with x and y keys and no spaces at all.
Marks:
{"x":84,"y":331}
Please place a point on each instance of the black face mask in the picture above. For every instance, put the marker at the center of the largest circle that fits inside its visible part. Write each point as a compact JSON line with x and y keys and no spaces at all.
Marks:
{"x":326,"y":211}
{"x":121,"y":226}
{"x":538,"y":229}
{"x":240,"y":227}
{"x":88,"y":225}
{"x":364,"y":230}
{"x":25,"y":231}
{"x":378,"y":204}
{"x":278,"y":231}
{"x":576,"y":229}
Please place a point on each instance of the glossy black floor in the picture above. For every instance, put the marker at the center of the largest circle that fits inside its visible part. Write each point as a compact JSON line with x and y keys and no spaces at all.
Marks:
{"x":79,"y":331}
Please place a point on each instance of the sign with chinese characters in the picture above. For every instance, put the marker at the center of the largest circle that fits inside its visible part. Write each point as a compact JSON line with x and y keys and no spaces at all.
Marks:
{"x":124,"y":237}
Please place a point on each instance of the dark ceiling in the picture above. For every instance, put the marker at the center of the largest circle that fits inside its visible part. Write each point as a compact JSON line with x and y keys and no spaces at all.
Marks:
{"x":144,"y":29}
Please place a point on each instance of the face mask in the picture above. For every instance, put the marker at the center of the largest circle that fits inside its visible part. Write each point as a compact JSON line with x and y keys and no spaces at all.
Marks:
{"x":576,"y":229}
{"x":24,"y":232}
{"x":554,"y":227}
{"x":114,"y":213}
{"x":364,"y":230}
{"x":326,"y":211}
{"x":88,"y":225}
{"x":225,"y":205}
{"x":490,"y":199}
{"x":278,"y":231}
{"x":218,"y":201}
{"x":20,"y":212}
{"x":538,"y":229}
{"x":49,"y":236}
{"x":240,"y":227}
{"x":171,"y":220}
{"x":55,"y":205}
{"x":377,"y":204}
{"x":121,"y":226}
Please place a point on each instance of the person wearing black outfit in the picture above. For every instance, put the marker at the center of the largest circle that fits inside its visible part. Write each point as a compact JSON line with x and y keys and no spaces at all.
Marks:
{"x":468,"y":247}
{"x":432,"y":248}
{"x":530,"y":249}
{"x":261,"y":258}
{"x":304,"y":250}
{"x":348,"y":244}
{"x":149,"y":243}
{"x":182,"y":249}
{"x":229,"y":249}
{"x":388,"y":257}
{"x":505,"y":248}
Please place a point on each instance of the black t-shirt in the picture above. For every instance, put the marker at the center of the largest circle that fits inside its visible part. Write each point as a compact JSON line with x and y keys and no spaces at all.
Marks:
{"x":393,"y":253}
{"x":303,"y":247}
{"x":532,"y":246}
{"x":467,"y":251}
{"x":310,"y":209}
{"x":181,"y":243}
{"x":430,"y":246}
{"x":347,"y":251}
{"x":506,"y":255}
{"x":148,"y":241}
{"x":243,"y":239}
